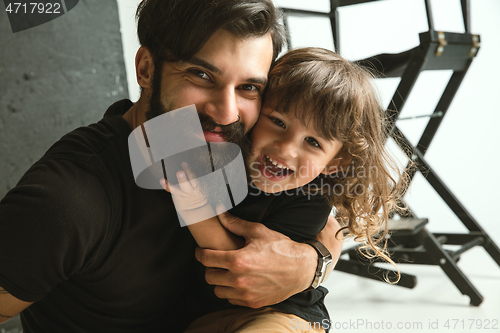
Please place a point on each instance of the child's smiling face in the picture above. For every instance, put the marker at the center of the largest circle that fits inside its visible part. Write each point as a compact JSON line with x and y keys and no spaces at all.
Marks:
{"x":286,"y":154}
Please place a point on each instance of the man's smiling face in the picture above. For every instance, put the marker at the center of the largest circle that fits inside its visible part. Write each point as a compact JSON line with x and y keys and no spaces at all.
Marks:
{"x":225,"y":80}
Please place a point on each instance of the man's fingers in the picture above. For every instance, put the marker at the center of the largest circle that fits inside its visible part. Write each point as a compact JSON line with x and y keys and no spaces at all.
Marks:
{"x":234,"y":224}
{"x":237,"y":297}
{"x":218,"y":277}
{"x":235,"y":301}
{"x":228,"y":293}
{"x":225,"y":283}
{"x":213,"y":258}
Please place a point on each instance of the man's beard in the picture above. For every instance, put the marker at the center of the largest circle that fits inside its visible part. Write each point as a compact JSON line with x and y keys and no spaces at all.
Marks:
{"x":199,"y":162}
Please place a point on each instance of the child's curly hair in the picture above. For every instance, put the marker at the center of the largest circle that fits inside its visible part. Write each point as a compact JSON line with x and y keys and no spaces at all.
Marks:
{"x":338,"y":99}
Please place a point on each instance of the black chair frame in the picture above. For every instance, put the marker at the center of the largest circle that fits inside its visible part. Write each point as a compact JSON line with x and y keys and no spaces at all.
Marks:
{"x":411,"y":241}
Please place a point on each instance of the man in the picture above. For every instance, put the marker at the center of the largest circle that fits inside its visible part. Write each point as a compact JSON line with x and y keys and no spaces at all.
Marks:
{"x":83,"y":249}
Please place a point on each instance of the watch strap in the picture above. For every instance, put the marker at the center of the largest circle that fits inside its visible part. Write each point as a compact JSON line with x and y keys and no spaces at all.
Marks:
{"x":324,"y":260}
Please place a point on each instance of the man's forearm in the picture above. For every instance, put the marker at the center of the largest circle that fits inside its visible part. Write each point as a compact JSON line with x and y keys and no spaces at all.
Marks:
{"x":308,"y":267}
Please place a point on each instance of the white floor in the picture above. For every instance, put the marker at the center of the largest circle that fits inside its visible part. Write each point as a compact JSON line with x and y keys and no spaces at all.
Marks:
{"x":435,"y":305}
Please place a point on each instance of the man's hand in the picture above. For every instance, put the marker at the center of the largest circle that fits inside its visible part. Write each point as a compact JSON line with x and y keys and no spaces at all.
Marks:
{"x":267,"y":270}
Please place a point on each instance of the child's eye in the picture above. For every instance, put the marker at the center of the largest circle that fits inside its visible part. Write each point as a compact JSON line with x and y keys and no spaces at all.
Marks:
{"x":277,"y":122}
{"x":313,"y":142}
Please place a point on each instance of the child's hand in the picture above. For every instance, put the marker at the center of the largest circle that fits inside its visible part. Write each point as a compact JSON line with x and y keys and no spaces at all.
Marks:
{"x":186,"y":195}
{"x":189,"y":202}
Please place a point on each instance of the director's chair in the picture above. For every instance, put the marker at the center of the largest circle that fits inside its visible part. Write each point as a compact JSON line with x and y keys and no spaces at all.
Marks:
{"x":411,"y":241}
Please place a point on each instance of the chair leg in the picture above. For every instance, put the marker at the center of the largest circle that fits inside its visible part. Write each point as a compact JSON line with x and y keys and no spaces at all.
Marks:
{"x":358,"y":268}
{"x":442,"y":258}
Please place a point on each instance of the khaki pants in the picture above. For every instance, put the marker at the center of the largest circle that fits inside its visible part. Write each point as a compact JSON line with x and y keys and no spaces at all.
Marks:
{"x":263,"y":320}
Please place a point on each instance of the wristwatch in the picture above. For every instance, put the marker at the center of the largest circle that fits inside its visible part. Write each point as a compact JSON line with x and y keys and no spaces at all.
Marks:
{"x":325,"y":263}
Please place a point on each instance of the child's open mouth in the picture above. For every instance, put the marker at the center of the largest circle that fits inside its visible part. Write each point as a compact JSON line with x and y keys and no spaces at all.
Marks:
{"x":271,"y":170}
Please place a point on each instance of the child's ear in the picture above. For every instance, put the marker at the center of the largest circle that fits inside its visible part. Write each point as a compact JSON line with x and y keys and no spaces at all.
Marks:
{"x":333,"y":167}
{"x":330,"y":170}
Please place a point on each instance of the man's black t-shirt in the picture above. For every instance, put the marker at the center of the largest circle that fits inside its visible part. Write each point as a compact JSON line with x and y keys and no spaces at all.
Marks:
{"x":96,"y":253}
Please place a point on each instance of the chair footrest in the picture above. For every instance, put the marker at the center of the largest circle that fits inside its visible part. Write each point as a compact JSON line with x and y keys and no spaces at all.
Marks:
{"x":406,"y":227}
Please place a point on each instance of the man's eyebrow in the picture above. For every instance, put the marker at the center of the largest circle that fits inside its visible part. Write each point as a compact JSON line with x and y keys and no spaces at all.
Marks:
{"x":205,"y":64}
{"x":258,"y":80}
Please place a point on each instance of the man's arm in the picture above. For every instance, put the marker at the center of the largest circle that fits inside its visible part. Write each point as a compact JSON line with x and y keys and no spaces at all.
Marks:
{"x":269,"y":269}
{"x":49,"y":228}
{"x":10,"y":306}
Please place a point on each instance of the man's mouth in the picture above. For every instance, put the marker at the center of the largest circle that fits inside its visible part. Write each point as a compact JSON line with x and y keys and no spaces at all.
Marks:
{"x":214,"y":136}
{"x":272,"y":169}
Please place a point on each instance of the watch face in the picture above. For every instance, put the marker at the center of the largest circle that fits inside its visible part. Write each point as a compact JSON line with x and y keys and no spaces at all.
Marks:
{"x":328,"y":269}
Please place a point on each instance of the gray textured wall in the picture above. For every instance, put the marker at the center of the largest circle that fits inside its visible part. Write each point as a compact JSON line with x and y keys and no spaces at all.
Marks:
{"x":54,"y":78}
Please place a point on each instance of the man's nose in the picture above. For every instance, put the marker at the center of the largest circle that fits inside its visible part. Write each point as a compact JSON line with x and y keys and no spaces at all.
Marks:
{"x":286,"y":146}
{"x":223,"y":107}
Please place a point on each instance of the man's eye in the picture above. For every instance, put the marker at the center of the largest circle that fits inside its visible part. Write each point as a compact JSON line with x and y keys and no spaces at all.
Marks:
{"x":313,"y":142}
{"x":277,"y":122}
{"x":201,"y":74}
{"x":250,"y":87}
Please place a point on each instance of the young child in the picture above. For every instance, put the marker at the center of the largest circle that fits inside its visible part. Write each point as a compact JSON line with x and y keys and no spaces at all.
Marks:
{"x":318,"y":144}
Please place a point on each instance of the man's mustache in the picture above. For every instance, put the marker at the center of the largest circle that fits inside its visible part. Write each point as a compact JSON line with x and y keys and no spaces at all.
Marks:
{"x":232,"y":131}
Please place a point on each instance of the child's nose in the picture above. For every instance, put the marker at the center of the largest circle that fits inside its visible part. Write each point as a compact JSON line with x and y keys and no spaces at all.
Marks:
{"x":286,"y":147}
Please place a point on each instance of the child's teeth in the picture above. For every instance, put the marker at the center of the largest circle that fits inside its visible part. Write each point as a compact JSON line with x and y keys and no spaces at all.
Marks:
{"x":276,"y":163}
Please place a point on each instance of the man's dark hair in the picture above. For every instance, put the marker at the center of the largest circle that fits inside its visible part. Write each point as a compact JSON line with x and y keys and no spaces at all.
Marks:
{"x":175,"y":30}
